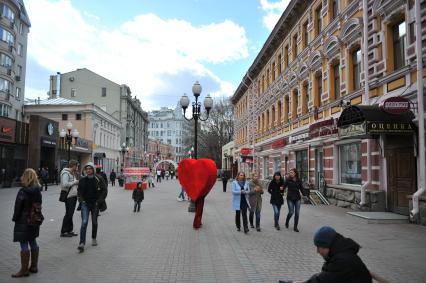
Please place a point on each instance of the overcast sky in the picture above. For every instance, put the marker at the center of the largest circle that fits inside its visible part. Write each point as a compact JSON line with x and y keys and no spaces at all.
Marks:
{"x":159,"y":48}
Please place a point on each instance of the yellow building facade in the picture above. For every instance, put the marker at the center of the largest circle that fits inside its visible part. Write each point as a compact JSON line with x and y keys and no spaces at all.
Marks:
{"x":312,"y":69}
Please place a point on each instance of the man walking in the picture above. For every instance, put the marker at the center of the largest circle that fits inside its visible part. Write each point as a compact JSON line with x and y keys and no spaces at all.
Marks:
{"x":44,"y":177}
{"x":69,"y":183}
{"x":92,"y":192}
{"x":158,"y":175}
{"x":112,"y":177}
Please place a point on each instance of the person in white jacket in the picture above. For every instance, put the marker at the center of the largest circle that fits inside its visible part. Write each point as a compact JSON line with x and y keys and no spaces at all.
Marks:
{"x":69,"y":183}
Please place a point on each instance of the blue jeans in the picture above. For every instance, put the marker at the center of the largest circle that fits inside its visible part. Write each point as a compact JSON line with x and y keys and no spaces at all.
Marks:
{"x":94,"y":211}
{"x":32,"y":243}
{"x":277,"y":209}
{"x":182,"y":194}
{"x":251,"y":216}
{"x":293,"y":208}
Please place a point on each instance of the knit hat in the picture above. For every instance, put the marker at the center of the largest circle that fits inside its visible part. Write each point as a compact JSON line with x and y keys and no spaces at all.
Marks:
{"x":324,"y":237}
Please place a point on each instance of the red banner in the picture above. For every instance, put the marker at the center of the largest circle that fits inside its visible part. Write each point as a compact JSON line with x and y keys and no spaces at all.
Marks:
{"x":245,"y":151}
{"x":136,"y":171}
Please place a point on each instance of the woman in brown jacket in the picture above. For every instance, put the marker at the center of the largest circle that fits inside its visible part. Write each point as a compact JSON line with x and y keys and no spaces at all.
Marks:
{"x":255,"y":194}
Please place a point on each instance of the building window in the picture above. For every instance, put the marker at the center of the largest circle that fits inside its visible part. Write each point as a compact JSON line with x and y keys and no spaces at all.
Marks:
{"x":78,"y":116}
{"x":306,"y":95}
{"x":19,"y":70}
{"x":64,"y":117}
{"x":295,"y":104}
{"x":350,"y":164}
{"x":273,"y":71}
{"x":286,"y":109}
{"x":18,"y":94}
{"x":318,"y":20}
{"x":318,"y":81}
{"x":21,"y":28}
{"x":336,"y":80}
{"x":5,"y":60}
{"x":399,"y":35}
{"x":7,"y":12}
{"x":273,"y":117}
{"x":356,"y":69}
{"x":279,"y":106}
{"x":294,"y":43}
{"x":263,"y":84}
{"x":7,"y":36}
{"x":267,"y":78}
{"x":169,"y":133}
{"x":104,"y":91}
{"x":258,"y":88}
{"x":73,"y":92}
{"x":4,"y":85}
{"x":305,"y":34}
{"x":279,"y":64}
{"x":302,"y":164}
{"x":20,"y":49}
{"x":4,"y":110}
{"x":286,"y":56}
{"x":334,"y":8}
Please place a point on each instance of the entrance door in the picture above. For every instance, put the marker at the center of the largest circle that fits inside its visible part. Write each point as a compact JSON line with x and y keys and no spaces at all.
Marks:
{"x":401,"y":165}
{"x":319,"y":167}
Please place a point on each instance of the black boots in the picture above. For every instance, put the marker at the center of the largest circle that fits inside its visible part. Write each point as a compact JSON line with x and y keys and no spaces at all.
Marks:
{"x":34,"y":261}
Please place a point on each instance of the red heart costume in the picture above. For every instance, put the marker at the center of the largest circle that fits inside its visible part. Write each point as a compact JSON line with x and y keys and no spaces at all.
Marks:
{"x":197,"y":177}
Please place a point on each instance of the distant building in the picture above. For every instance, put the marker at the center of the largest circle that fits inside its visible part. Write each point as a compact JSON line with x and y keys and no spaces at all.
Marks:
{"x":168,"y":126}
{"x":99,"y":139}
{"x":159,"y":151}
{"x":88,"y":87}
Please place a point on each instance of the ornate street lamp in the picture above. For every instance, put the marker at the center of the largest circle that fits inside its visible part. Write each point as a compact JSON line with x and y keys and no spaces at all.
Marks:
{"x":68,"y":135}
{"x":196,"y":115}
{"x":123,"y":149}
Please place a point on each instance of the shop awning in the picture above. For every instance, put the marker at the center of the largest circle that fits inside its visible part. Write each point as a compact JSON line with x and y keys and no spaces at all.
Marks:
{"x":99,"y":155}
{"x":371,"y":120}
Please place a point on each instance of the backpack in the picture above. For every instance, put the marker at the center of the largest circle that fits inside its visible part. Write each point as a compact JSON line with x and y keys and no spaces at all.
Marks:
{"x":35,"y":217}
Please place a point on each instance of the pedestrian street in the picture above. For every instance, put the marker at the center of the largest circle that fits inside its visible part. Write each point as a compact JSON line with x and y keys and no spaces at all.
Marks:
{"x":159,"y":244}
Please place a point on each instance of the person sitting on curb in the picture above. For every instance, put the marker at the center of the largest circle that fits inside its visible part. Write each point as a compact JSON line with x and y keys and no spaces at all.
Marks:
{"x":342,"y":263}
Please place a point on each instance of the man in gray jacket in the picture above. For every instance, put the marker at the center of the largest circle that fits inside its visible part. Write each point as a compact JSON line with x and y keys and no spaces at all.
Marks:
{"x":69,"y":183}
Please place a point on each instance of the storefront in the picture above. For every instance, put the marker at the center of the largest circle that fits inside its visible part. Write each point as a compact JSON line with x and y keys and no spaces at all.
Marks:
{"x":81,"y":151}
{"x":393,"y":152}
{"x":13,"y":151}
{"x":42,"y":149}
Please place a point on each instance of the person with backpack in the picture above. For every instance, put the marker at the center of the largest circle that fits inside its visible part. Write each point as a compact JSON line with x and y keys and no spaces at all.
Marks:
{"x":138,"y":196}
{"x":44,"y":177}
{"x":91,"y":192}
{"x":69,"y":183}
{"x":28,"y":218}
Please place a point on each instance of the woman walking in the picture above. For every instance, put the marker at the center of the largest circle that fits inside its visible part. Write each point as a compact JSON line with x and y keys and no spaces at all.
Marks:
{"x":25,"y":231}
{"x":240,"y":203}
{"x":294,"y":189}
{"x":276,"y":189}
{"x":256,"y":192}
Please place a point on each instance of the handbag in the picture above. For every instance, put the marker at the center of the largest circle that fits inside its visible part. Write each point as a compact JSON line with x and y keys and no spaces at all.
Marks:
{"x":63,"y":195}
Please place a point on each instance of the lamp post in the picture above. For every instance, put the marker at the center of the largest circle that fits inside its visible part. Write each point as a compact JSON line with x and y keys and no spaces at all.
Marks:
{"x":68,"y":135}
{"x":123,"y":149}
{"x":196,"y":115}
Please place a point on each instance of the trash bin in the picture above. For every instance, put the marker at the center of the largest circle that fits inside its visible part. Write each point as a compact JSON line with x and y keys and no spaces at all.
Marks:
{"x":120,"y":182}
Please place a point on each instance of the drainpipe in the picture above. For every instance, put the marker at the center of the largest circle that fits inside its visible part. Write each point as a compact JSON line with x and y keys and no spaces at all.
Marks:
{"x":420,"y":116}
{"x":366,"y":98}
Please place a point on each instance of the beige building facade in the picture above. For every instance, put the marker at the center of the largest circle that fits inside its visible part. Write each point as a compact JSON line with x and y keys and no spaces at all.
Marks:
{"x":307,"y":101}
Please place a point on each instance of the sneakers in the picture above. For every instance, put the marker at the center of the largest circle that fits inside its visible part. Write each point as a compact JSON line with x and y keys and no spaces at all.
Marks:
{"x":94,"y":242}
{"x":72,"y":234}
{"x":179,"y":199}
{"x":81,"y":247}
{"x":66,"y":235}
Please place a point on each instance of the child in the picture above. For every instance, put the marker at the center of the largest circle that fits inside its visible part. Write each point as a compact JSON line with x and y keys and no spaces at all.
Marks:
{"x":138,"y":196}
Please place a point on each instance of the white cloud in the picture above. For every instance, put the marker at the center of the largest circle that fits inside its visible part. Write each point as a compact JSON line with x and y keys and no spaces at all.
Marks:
{"x":139,"y":53}
{"x":273,"y":11}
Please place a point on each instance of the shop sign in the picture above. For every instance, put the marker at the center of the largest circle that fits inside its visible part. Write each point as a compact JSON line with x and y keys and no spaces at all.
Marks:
{"x":7,"y":130}
{"x":389,"y":128}
{"x":323,"y":128}
{"x":278,"y":144}
{"x":48,"y":142}
{"x":352,"y":130}
{"x":300,"y":137}
{"x":82,"y":144}
{"x":245,"y":151}
{"x":396,"y":105}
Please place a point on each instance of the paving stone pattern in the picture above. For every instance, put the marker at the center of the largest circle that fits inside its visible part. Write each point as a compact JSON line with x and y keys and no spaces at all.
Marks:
{"x":159,"y":245}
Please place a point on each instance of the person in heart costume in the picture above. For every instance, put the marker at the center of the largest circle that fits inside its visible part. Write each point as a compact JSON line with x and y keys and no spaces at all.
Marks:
{"x":197,"y":177}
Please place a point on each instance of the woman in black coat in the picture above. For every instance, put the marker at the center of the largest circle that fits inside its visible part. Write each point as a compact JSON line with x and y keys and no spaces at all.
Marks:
{"x":294,"y":189}
{"x":138,"y":196}
{"x":23,"y":232}
{"x":276,"y":190}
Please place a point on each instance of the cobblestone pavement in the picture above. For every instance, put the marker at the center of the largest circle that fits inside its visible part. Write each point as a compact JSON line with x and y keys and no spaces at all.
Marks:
{"x":159,"y":245}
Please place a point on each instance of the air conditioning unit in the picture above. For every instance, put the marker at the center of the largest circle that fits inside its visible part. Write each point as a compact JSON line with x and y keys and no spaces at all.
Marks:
{"x":12,"y":23}
{"x":9,"y":72}
{"x":71,"y":79}
{"x":10,"y":48}
{"x":17,"y":78}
